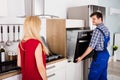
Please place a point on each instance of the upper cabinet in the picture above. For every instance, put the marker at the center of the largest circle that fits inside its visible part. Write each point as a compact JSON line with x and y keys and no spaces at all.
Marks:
{"x":15,"y":8}
{"x":3,"y":7}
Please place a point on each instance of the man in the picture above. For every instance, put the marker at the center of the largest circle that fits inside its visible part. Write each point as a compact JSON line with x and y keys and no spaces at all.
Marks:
{"x":98,"y":43}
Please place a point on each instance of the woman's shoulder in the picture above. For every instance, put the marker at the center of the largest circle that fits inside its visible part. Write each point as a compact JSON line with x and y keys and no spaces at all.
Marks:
{"x":30,"y":40}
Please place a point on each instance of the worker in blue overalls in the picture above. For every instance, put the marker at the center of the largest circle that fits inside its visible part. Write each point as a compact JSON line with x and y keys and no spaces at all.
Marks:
{"x":98,"y":43}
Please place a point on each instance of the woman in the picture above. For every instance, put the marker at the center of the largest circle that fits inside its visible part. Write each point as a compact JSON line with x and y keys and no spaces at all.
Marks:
{"x":31,"y":51}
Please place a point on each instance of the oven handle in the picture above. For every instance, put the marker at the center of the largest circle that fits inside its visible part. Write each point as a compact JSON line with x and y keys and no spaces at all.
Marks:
{"x":82,"y":41}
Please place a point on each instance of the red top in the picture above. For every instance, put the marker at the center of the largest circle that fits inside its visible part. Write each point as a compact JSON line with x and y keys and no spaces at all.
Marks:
{"x":28,"y":61}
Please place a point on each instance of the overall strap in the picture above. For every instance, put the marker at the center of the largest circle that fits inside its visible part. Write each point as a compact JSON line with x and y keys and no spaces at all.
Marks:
{"x":106,"y":39}
{"x":101,"y":32}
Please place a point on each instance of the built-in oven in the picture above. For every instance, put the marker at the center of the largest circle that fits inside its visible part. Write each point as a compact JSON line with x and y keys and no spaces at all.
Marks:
{"x":77,"y":43}
{"x":83,"y":40}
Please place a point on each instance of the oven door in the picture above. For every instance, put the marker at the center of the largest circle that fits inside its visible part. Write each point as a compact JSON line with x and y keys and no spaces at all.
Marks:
{"x":81,"y":46}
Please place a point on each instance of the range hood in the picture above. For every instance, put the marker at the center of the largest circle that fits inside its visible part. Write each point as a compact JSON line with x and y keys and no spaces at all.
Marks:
{"x":37,"y":8}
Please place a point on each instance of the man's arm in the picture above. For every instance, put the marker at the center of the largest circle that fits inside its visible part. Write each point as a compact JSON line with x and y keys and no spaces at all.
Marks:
{"x":88,"y":50}
{"x":93,"y":43}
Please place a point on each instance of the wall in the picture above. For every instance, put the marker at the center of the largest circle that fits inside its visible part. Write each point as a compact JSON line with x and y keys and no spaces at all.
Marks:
{"x":59,"y":7}
{"x":3,"y":7}
{"x":112,"y":21}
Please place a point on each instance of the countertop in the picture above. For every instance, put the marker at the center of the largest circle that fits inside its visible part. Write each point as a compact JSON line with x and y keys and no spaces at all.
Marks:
{"x":15,"y":72}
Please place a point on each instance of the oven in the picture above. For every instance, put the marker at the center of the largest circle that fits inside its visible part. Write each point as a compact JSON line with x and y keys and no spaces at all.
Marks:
{"x":77,"y":43}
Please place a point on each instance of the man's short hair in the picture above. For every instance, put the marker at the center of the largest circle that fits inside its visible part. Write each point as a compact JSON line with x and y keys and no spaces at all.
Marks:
{"x":97,"y":14}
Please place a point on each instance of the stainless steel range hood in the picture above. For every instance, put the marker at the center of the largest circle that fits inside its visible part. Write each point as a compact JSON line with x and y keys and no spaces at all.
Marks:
{"x":36,"y":7}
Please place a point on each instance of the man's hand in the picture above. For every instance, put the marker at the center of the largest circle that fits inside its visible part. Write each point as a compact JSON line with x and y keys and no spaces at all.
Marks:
{"x":79,"y":59}
{"x":89,"y":49}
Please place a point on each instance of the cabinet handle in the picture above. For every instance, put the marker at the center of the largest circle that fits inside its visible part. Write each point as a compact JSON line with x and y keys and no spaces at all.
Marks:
{"x":51,"y":67}
{"x":51,"y":75}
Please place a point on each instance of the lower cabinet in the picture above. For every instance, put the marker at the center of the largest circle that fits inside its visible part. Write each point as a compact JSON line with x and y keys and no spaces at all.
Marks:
{"x":15,"y":77}
{"x":74,"y":71}
{"x":57,"y":75}
{"x":57,"y":71}
{"x":61,"y":70}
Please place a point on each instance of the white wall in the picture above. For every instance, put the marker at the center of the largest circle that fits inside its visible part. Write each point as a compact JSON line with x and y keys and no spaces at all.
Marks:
{"x":15,"y":8}
{"x":56,"y":7}
{"x":59,"y":7}
{"x":3,"y":7}
{"x":112,"y":21}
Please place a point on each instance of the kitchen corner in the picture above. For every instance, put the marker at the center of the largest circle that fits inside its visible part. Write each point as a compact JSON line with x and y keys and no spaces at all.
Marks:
{"x":53,"y":33}
{"x":57,"y":57}
{"x":66,"y":31}
{"x":51,"y":68}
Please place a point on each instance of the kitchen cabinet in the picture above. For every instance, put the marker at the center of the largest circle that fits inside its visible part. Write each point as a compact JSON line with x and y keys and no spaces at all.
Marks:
{"x":74,"y":71}
{"x":15,"y":8}
{"x":74,"y":23}
{"x":56,"y":35}
{"x":15,"y":77}
{"x":57,"y":71}
{"x":3,"y":7}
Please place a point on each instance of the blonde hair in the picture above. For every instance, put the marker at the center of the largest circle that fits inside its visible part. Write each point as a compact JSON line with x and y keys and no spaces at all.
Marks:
{"x":32,"y":27}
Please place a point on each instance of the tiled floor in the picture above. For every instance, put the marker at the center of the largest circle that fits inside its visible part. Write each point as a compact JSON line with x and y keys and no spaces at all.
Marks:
{"x":114,"y":70}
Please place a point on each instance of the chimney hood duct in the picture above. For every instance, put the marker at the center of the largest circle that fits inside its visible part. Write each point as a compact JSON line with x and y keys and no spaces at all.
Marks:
{"x":37,"y":8}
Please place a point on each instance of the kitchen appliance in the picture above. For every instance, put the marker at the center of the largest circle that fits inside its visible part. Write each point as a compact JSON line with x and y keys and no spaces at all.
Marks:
{"x":36,"y":7}
{"x":84,"y":12}
{"x":8,"y":66}
{"x":52,"y":56}
{"x":83,"y":40}
{"x":77,"y":43}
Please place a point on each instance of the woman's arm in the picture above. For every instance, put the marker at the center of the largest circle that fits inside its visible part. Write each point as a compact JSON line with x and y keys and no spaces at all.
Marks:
{"x":39,"y":61}
{"x":18,"y":58}
{"x":89,"y":49}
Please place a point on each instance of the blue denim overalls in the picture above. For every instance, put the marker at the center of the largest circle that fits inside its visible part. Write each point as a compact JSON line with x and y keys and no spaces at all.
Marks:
{"x":98,"y":68}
